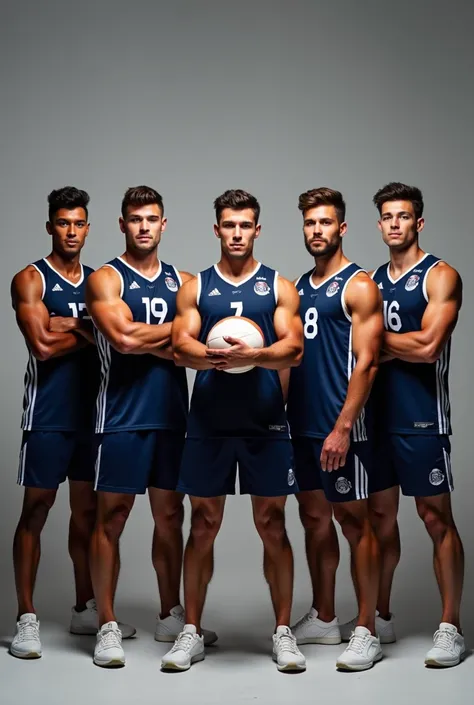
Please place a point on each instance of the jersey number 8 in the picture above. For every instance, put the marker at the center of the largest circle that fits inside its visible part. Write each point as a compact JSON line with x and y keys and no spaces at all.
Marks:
{"x":311,"y":323}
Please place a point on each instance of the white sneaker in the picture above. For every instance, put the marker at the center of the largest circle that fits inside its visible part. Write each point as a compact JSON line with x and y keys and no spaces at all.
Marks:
{"x":167,"y":629}
{"x":285,"y":651}
{"x":87,"y":622}
{"x":187,"y":649}
{"x":448,"y":649}
{"x":312,"y":630}
{"x":361,"y":653}
{"x":26,"y":642}
{"x":384,"y":628}
{"x":108,"y":650}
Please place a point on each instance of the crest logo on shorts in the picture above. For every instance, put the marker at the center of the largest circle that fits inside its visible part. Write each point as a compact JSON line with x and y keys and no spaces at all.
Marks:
{"x":343,"y":486}
{"x":291,"y":477}
{"x":171,"y":284}
{"x":261,"y":288}
{"x":332,"y":289}
{"x":436,"y":477}
{"x":412,"y":282}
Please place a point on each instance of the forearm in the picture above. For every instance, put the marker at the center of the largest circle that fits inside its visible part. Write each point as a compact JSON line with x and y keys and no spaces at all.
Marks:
{"x":280,"y":355}
{"x":141,"y":338}
{"x":192,"y":354}
{"x":165,"y":353}
{"x":358,"y":391}
{"x":411,"y":347}
{"x":56,"y":345}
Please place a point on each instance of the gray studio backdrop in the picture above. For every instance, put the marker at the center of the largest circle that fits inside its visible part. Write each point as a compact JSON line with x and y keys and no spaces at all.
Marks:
{"x":197,"y":97}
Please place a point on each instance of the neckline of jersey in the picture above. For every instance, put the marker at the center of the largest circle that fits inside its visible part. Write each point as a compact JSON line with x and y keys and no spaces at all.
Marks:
{"x":394,"y":281}
{"x":331,"y":276}
{"x":242,"y":281}
{"x":140,"y":274}
{"x":68,"y":281}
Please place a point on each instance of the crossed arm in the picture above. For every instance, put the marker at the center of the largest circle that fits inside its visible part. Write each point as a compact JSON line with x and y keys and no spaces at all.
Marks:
{"x":285,"y":352}
{"x":444,"y":291}
{"x":114,"y":319}
{"x":33,"y":319}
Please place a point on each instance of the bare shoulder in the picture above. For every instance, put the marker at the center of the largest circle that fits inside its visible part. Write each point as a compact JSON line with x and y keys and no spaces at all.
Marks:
{"x":443,"y":281}
{"x":104,"y":279}
{"x":362,"y":292}
{"x":187,"y":293}
{"x":27,"y":282}
{"x":186,"y":276}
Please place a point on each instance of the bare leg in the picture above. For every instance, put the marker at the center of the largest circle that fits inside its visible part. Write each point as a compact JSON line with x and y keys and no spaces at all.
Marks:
{"x":167,"y":550}
{"x":83,"y":503}
{"x":206,"y":520}
{"x":322,"y":550}
{"x":383,"y":507}
{"x":436,"y":513}
{"x":112,"y":513}
{"x":26,"y":544}
{"x":269,"y":517}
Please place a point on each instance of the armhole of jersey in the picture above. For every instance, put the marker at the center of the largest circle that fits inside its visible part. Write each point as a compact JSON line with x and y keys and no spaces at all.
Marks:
{"x":199,"y":287}
{"x":275,"y":287}
{"x":298,"y":280}
{"x":43,"y":280}
{"x":425,"y":293}
{"x":343,"y":301}
{"x":178,"y":276}
{"x":122,"y":285}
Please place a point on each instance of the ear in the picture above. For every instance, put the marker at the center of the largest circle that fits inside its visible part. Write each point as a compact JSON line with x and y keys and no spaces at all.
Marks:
{"x":420,"y":224}
{"x":379,"y":225}
{"x":343,"y":229}
{"x":216,"y":231}
{"x":49,"y":228}
{"x":164,"y":223}
{"x":122,"y":224}
{"x":258,"y":229}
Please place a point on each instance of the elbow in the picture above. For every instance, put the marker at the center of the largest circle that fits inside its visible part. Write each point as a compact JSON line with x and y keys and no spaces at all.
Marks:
{"x":42,"y":353}
{"x":297,"y":356}
{"x":124,"y":344}
{"x":431,"y":354}
{"x":178,"y":358}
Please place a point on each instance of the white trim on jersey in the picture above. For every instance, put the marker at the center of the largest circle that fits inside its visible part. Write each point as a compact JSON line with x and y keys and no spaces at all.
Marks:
{"x":394,"y":281}
{"x":275,"y":287}
{"x":242,"y":281}
{"x":343,"y":292}
{"x":297,"y":281}
{"x":21,"y":464}
{"x":199,"y":288}
{"x":359,"y":431}
{"x":334,"y":274}
{"x":122,"y":285}
{"x":137,"y":271}
{"x":97,"y":466}
{"x":361,"y":479}
{"x":68,"y":281}
{"x":178,"y":275}
{"x":449,"y":472}
{"x":425,"y":293}
{"x":31,"y":389}
{"x":442,"y":400}
{"x":42,"y":279}
{"x":104,"y":351}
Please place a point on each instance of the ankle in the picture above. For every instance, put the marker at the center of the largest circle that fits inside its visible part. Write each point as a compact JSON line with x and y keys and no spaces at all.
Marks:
{"x":386,"y":616}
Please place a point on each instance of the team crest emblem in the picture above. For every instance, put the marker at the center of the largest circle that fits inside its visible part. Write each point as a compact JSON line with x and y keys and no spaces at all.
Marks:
{"x":436,"y":477}
{"x":171,"y":284}
{"x":332,"y":289}
{"x":343,"y":486}
{"x":291,"y":477}
{"x":261,"y":288}
{"x":412,"y":282}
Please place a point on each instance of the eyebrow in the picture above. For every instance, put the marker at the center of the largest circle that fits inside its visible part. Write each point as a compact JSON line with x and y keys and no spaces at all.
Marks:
{"x":397,"y":213}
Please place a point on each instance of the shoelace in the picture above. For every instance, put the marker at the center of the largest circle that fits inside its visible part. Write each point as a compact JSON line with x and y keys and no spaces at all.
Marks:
{"x":358,"y":643}
{"x":110,"y":638}
{"x":28,"y":631}
{"x":184,"y":642}
{"x":444,"y":639}
{"x":304,"y":620}
{"x":287,"y":643}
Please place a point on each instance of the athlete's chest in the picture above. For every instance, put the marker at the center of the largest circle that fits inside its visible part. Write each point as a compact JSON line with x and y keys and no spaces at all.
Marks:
{"x":252,"y":299}
{"x":404,"y":300}
{"x":62,"y":298}
{"x":150,"y":301}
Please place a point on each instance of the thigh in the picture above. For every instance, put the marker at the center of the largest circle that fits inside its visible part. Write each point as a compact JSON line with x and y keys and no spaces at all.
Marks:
{"x":383,"y":475}
{"x":124,"y":461}
{"x":266,"y":467}
{"x":307,"y":452}
{"x":423,"y":464}
{"x":45,"y":458}
{"x":168,"y":454}
{"x":351,"y":482}
{"x":82,"y":464}
{"x":208,"y":467}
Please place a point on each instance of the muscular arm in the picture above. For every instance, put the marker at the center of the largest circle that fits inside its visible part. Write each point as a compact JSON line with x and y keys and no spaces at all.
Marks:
{"x":444,"y":291}
{"x":187,"y":350}
{"x":33,"y":319}
{"x":113,"y":317}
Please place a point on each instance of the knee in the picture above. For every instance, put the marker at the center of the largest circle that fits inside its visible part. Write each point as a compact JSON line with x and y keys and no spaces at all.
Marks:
{"x":384,"y":522}
{"x":34,"y":515}
{"x":437,"y":524}
{"x":270,"y":524}
{"x":113,"y":520}
{"x":169,"y":517}
{"x":314,"y":520}
{"x":352,"y":526}
{"x":205,"y":525}
{"x":83,"y":520}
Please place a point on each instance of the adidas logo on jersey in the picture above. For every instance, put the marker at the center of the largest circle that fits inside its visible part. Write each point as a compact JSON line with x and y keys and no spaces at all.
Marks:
{"x":214,"y":292}
{"x":56,"y":287}
{"x":301,"y":292}
{"x":168,"y":274}
{"x":381,"y":285}
{"x":134,"y":285}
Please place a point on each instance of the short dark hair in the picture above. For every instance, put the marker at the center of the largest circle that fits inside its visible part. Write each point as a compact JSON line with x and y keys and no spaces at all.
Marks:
{"x":238,"y":200}
{"x":396,"y":191}
{"x":141,"y":196}
{"x":323,"y":196}
{"x":68,"y":197}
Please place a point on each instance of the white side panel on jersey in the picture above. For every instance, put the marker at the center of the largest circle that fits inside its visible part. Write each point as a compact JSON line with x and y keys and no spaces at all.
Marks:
{"x":103,"y":348}
{"x":361,"y":480}
{"x":42,"y":279}
{"x":343,"y":294}
{"x":449,"y":472}
{"x":441,"y":392}
{"x":21,"y":464}
{"x":97,"y":466}
{"x":122,"y":286}
{"x":275,"y":287}
{"x":425,"y":293}
{"x":31,"y":388}
{"x":199,"y":288}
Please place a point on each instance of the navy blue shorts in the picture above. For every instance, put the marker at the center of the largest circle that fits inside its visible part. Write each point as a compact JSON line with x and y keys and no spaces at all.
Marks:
{"x":48,"y":458}
{"x":420,"y":464}
{"x":129,"y":462}
{"x":209,"y":467}
{"x":346,"y":484}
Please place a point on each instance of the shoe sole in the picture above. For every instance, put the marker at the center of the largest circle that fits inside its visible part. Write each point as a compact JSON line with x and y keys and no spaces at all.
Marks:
{"x":29,"y":655}
{"x":432,"y":663}
{"x":169,"y":638}
{"x":325,"y":640}
{"x":170,"y":666}
{"x":290,"y":667}
{"x":357,"y":667}
{"x":113,"y":663}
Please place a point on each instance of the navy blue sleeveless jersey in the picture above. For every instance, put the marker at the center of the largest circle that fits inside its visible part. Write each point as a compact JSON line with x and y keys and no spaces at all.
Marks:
{"x":60,"y":392}
{"x":411,"y":397}
{"x":318,"y":387}
{"x":139,"y":392}
{"x":245,"y":405}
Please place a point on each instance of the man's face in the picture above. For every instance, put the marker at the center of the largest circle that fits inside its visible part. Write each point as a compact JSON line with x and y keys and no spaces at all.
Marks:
{"x":237,"y":231}
{"x":322,"y":231}
{"x":142,"y":227}
{"x":398,"y":224}
{"x":69,"y":229}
